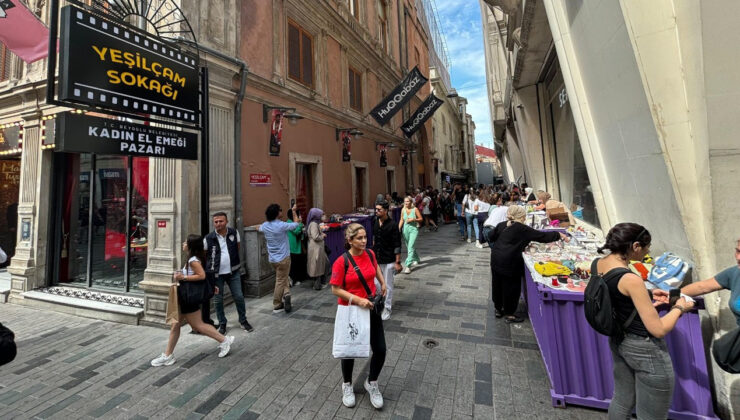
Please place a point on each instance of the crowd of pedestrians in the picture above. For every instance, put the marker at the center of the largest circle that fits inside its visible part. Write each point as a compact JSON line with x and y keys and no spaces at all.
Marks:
{"x":298,"y":253}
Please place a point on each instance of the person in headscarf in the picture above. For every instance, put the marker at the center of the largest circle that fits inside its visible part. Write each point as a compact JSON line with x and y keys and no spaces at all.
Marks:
{"x":509,"y":239}
{"x":316,"y":259}
{"x":529,"y":196}
{"x":379,"y":198}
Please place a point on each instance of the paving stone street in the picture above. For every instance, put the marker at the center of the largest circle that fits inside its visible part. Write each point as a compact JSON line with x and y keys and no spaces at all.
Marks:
{"x":71,"y":367}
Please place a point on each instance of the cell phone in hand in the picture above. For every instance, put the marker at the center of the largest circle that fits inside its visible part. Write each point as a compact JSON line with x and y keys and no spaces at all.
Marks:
{"x":673,"y":296}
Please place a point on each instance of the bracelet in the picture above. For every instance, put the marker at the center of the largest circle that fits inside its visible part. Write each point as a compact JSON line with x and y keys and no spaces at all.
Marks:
{"x":679,"y":307}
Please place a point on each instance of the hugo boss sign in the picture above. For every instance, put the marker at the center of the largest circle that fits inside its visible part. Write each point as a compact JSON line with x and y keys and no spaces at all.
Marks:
{"x":80,"y":133}
{"x":111,"y":66}
{"x":426,"y":110}
{"x":392,"y":103}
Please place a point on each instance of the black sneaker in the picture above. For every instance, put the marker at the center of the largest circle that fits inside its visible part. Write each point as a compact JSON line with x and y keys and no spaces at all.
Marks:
{"x":247,"y":327}
{"x":288,"y":306}
{"x":222,"y":329}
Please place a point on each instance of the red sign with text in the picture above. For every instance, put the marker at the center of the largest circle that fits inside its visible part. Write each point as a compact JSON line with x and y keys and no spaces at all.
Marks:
{"x":260,"y":180}
{"x":162,"y":223}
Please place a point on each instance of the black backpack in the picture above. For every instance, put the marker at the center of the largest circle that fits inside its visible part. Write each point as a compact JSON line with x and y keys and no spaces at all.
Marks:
{"x":598,"y":308}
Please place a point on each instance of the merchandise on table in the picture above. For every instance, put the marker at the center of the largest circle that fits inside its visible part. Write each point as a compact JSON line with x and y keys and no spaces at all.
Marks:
{"x":561,"y":267}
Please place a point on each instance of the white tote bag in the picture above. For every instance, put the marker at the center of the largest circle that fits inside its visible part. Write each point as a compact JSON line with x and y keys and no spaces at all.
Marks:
{"x":351,"y":332}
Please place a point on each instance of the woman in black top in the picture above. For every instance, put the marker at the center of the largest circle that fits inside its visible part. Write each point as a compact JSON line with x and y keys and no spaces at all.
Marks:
{"x":509,"y":240}
{"x":643,"y":372}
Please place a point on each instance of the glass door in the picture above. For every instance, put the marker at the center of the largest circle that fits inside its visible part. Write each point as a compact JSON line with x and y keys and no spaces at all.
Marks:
{"x":102,"y":228}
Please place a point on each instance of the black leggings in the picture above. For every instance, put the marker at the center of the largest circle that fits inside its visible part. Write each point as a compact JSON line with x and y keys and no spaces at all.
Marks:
{"x":377,"y":344}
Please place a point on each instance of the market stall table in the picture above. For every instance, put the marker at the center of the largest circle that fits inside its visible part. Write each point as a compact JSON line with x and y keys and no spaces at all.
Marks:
{"x":579,"y":362}
{"x":335,"y":238}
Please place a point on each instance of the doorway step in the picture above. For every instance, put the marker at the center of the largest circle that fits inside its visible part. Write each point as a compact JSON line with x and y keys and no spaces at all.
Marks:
{"x":86,"y":303}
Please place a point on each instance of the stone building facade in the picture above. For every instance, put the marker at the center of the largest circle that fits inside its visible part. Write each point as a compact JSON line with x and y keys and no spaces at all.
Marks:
{"x":76,"y":211}
{"x":331,"y":62}
{"x":629,"y":107}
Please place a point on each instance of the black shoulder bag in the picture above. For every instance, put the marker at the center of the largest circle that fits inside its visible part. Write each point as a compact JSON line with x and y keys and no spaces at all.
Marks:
{"x":377,"y":300}
{"x":196,"y":292}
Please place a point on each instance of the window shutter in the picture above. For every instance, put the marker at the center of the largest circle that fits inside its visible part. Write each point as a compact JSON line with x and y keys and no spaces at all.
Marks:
{"x":351,"y":75}
{"x":294,"y":53}
{"x":307,"y":59}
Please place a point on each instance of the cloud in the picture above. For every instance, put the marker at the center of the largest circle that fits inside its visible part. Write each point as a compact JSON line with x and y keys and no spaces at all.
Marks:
{"x":460,"y":21}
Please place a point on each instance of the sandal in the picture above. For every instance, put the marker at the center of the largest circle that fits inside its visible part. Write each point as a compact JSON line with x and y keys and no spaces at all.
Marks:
{"x":499,"y":314}
{"x":513,"y":319}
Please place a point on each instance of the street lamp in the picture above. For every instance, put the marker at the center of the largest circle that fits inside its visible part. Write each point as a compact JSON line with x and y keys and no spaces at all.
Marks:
{"x":452,"y":93}
{"x":289,"y":113}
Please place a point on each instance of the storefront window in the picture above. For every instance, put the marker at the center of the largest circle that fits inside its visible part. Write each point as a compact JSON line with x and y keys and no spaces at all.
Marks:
{"x":10,"y":174}
{"x":573,"y":181}
{"x":103,"y":229}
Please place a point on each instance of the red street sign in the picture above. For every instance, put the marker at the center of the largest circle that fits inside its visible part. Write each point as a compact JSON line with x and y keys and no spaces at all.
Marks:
{"x":260,"y":180}
{"x":162,"y":223}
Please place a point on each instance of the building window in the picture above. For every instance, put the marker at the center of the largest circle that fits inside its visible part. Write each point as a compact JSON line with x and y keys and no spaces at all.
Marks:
{"x":300,"y":54}
{"x":383,"y":24}
{"x":417,"y":57}
{"x":5,"y":59}
{"x":354,"y":8}
{"x":355,"y":89}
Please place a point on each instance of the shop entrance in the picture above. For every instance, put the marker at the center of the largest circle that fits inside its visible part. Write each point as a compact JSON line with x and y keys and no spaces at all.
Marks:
{"x":390,"y":181}
{"x":360,"y":181}
{"x":10,"y":175}
{"x":304,"y":189}
{"x":101,"y":224}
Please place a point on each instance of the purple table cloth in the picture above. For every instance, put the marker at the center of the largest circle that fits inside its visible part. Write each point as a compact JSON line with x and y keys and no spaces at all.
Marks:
{"x":579,"y":361}
{"x":335,"y":238}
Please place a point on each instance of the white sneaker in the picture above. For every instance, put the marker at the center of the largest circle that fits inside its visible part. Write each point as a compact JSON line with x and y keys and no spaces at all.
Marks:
{"x":348,"y":395}
{"x":226,"y":346}
{"x":376,"y":399}
{"x":415,"y":263}
{"x":164,"y":360}
{"x":478,"y":244}
{"x":469,"y":241}
{"x":407,"y":270}
{"x":386,"y":315}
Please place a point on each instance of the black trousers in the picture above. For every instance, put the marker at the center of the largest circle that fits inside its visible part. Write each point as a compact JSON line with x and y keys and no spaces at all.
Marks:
{"x":205,"y":312}
{"x":377,"y":344}
{"x":506,"y":292}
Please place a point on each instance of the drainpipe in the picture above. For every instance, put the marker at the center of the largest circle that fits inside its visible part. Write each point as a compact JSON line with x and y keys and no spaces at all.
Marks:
{"x":243,"y":71}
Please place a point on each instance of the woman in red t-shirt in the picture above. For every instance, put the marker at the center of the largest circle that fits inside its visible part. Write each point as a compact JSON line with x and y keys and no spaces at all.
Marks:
{"x":345,"y":284}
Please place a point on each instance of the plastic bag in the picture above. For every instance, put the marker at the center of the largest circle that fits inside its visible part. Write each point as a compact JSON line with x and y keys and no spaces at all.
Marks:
{"x":351,"y":332}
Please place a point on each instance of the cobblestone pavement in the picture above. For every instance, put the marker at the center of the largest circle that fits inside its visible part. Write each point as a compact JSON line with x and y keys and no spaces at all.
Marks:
{"x":71,"y":367}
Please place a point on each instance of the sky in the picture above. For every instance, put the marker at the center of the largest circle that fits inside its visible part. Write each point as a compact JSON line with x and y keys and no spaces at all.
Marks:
{"x":461,"y":24}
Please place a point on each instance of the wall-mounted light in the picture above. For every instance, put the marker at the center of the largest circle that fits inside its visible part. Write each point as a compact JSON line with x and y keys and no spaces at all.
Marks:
{"x":289,"y":113}
{"x":452,"y":93}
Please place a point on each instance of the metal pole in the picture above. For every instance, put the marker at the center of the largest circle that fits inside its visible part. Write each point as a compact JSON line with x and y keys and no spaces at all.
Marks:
{"x":204,"y":158}
{"x":52,"y":57}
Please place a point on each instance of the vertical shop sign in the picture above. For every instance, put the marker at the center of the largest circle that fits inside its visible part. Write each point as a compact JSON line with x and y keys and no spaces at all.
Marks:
{"x":383,"y":156}
{"x":346,"y":145}
{"x":276,"y":132}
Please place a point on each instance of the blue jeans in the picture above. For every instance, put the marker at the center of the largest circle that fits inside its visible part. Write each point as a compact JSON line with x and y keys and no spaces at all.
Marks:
{"x":234,"y":281}
{"x":472,"y":222}
{"x":460,"y":219}
{"x":643,"y":378}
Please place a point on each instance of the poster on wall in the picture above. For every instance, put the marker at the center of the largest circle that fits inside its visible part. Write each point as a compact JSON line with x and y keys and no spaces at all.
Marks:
{"x":113,"y":66}
{"x":383,"y":155}
{"x":79,"y":133}
{"x":346,"y":146}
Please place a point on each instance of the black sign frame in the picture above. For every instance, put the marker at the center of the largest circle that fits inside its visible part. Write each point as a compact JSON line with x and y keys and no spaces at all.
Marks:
{"x":79,"y":133}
